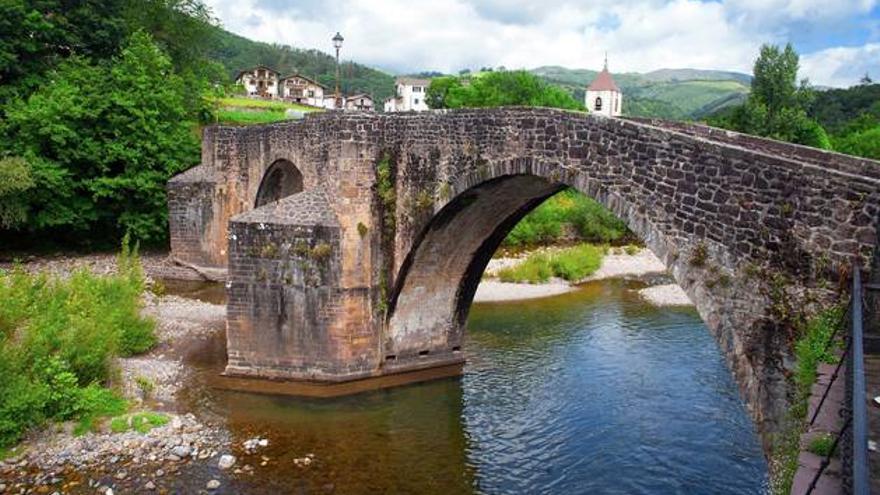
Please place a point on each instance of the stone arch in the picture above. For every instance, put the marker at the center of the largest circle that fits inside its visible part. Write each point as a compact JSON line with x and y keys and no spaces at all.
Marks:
{"x":436,"y":282}
{"x":281,"y":179}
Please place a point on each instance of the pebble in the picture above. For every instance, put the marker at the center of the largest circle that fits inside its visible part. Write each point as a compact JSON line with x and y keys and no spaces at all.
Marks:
{"x":121,"y":475}
{"x":226,"y":461}
{"x":150,"y":486}
{"x":181,"y":451}
{"x":213,"y":485}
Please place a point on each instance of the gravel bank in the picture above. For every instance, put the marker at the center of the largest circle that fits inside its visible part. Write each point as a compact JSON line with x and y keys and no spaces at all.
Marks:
{"x":613,"y":265}
{"x":666,"y":295}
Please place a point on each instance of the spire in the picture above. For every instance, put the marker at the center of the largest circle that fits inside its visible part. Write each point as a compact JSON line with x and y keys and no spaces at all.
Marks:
{"x":606,"y":61}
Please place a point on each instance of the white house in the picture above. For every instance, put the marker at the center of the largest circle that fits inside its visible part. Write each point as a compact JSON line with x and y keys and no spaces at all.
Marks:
{"x":410,"y":95}
{"x":603,"y":97}
{"x":259,"y":81}
{"x":300,"y":89}
{"x":360,"y":101}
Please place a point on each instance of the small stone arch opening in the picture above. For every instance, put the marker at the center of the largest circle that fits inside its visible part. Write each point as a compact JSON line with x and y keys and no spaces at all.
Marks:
{"x":281,"y":179}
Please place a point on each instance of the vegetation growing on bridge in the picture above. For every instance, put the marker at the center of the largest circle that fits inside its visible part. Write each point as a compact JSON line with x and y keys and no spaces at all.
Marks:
{"x":811,"y":349}
{"x":58,"y":339}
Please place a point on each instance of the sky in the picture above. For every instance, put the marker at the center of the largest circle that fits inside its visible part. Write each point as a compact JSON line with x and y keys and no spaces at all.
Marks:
{"x":839,"y":40}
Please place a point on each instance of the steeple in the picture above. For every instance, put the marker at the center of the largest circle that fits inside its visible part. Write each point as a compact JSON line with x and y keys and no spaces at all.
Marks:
{"x":606,"y":61}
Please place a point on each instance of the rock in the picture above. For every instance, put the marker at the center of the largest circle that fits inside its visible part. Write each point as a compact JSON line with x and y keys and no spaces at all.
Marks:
{"x":264,"y":442}
{"x":181,"y":451}
{"x":160,"y":473}
{"x":150,"y":486}
{"x":2,"y":487}
{"x":213,"y":485}
{"x":176,"y":423}
{"x":226,"y":461}
{"x":121,"y":475}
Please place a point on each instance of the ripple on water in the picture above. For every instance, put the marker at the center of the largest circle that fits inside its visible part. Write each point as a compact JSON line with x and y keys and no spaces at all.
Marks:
{"x":588,"y":392}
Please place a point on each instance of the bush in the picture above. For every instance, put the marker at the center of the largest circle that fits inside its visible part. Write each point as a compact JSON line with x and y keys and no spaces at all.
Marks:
{"x":568,"y":213}
{"x":572,"y":264}
{"x":58,"y":338}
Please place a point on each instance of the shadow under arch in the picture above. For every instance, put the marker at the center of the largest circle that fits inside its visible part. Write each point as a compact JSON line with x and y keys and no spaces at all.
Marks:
{"x":280,"y":180}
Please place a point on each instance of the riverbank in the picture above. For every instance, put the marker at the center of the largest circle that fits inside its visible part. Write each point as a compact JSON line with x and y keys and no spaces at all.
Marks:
{"x":157,"y":438}
{"x":616,"y":264}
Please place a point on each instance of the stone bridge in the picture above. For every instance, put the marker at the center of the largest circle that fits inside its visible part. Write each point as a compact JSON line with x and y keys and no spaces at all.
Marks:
{"x":355,"y":242}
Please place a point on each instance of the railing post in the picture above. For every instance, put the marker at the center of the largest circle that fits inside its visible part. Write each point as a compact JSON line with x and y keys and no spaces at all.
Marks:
{"x":859,"y":420}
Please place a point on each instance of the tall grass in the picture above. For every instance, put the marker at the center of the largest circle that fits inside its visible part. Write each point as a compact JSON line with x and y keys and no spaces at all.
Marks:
{"x":572,"y":264}
{"x":811,"y":349}
{"x":568,"y":212}
{"x":58,"y":338}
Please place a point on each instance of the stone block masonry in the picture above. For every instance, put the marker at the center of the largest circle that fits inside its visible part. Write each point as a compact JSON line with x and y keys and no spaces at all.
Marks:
{"x":408,"y":209}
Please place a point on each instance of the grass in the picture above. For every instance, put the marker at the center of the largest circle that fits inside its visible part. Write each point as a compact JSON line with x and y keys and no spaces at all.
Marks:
{"x":58,"y":339}
{"x":822,"y":445}
{"x":246,"y":111}
{"x":810,"y":351}
{"x":140,"y":422}
{"x":246,"y":117}
{"x":572,"y":264}
{"x":276,"y":105}
{"x":564,"y":215}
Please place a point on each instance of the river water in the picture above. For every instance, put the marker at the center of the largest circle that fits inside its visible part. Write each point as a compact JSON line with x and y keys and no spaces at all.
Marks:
{"x":594,"y":391}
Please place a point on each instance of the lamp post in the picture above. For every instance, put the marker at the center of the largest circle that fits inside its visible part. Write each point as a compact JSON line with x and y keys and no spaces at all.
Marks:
{"x":337,"y":43}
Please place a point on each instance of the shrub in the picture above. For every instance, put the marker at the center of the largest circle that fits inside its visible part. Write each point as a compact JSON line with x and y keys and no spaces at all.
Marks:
{"x":572,"y":264}
{"x":566,"y":213}
{"x":58,"y":338}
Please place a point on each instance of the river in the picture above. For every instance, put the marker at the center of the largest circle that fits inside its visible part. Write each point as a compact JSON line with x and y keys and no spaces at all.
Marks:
{"x":593,"y":391}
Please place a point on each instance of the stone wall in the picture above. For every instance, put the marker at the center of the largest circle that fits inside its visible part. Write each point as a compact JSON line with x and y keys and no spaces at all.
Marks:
{"x":752,"y":229}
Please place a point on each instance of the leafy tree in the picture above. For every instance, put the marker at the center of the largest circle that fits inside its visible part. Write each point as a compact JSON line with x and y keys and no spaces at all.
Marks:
{"x":102,"y":140}
{"x":15,"y":179}
{"x":495,"y":89}
{"x":776,"y":107}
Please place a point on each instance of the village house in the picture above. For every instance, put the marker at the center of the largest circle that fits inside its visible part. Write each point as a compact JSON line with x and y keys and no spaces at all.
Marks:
{"x":303,"y":90}
{"x":410,"y":95}
{"x":360,"y":101}
{"x":259,"y":81}
{"x":603,"y":96}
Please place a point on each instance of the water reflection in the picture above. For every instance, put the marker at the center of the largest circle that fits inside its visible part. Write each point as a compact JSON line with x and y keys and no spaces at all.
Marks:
{"x":589,"y":392}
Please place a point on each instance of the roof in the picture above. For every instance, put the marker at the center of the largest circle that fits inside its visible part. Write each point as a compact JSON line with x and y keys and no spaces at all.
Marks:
{"x":412,"y":81}
{"x":603,"y":82}
{"x":297,"y":74}
{"x":360,"y":95}
{"x":253,"y":69}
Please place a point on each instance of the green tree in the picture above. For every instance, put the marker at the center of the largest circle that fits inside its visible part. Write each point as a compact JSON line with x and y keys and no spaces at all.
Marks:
{"x":501,"y":88}
{"x":439,"y":89}
{"x":15,"y":180}
{"x":777,"y":105}
{"x":102,"y":140}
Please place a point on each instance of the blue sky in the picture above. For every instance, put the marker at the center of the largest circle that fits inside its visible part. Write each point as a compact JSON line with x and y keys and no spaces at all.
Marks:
{"x":839,"y":40}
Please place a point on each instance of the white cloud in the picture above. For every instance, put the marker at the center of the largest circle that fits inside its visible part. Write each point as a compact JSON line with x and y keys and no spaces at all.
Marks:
{"x":842,"y":66}
{"x":640,"y":35}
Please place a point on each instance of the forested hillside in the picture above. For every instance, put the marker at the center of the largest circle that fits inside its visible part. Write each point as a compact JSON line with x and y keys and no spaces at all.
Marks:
{"x":665,"y":93}
{"x":236,"y":53}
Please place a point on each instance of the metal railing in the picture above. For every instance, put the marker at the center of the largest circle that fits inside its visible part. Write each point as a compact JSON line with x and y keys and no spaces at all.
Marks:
{"x":860,"y":472}
{"x":853,"y":436}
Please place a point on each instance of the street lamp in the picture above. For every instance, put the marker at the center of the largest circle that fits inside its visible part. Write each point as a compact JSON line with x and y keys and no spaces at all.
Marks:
{"x":337,"y":43}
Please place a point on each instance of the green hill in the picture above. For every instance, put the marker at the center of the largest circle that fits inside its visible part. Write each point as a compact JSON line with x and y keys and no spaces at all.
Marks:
{"x":666,"y":93}
{"x":236,"y":53}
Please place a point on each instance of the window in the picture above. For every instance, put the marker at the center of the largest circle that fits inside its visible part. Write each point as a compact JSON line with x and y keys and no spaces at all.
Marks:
{"x":311,"y":93}
{"x":417,"y":89}
{"x":598,"y":105}
{"x":416,"y":101}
